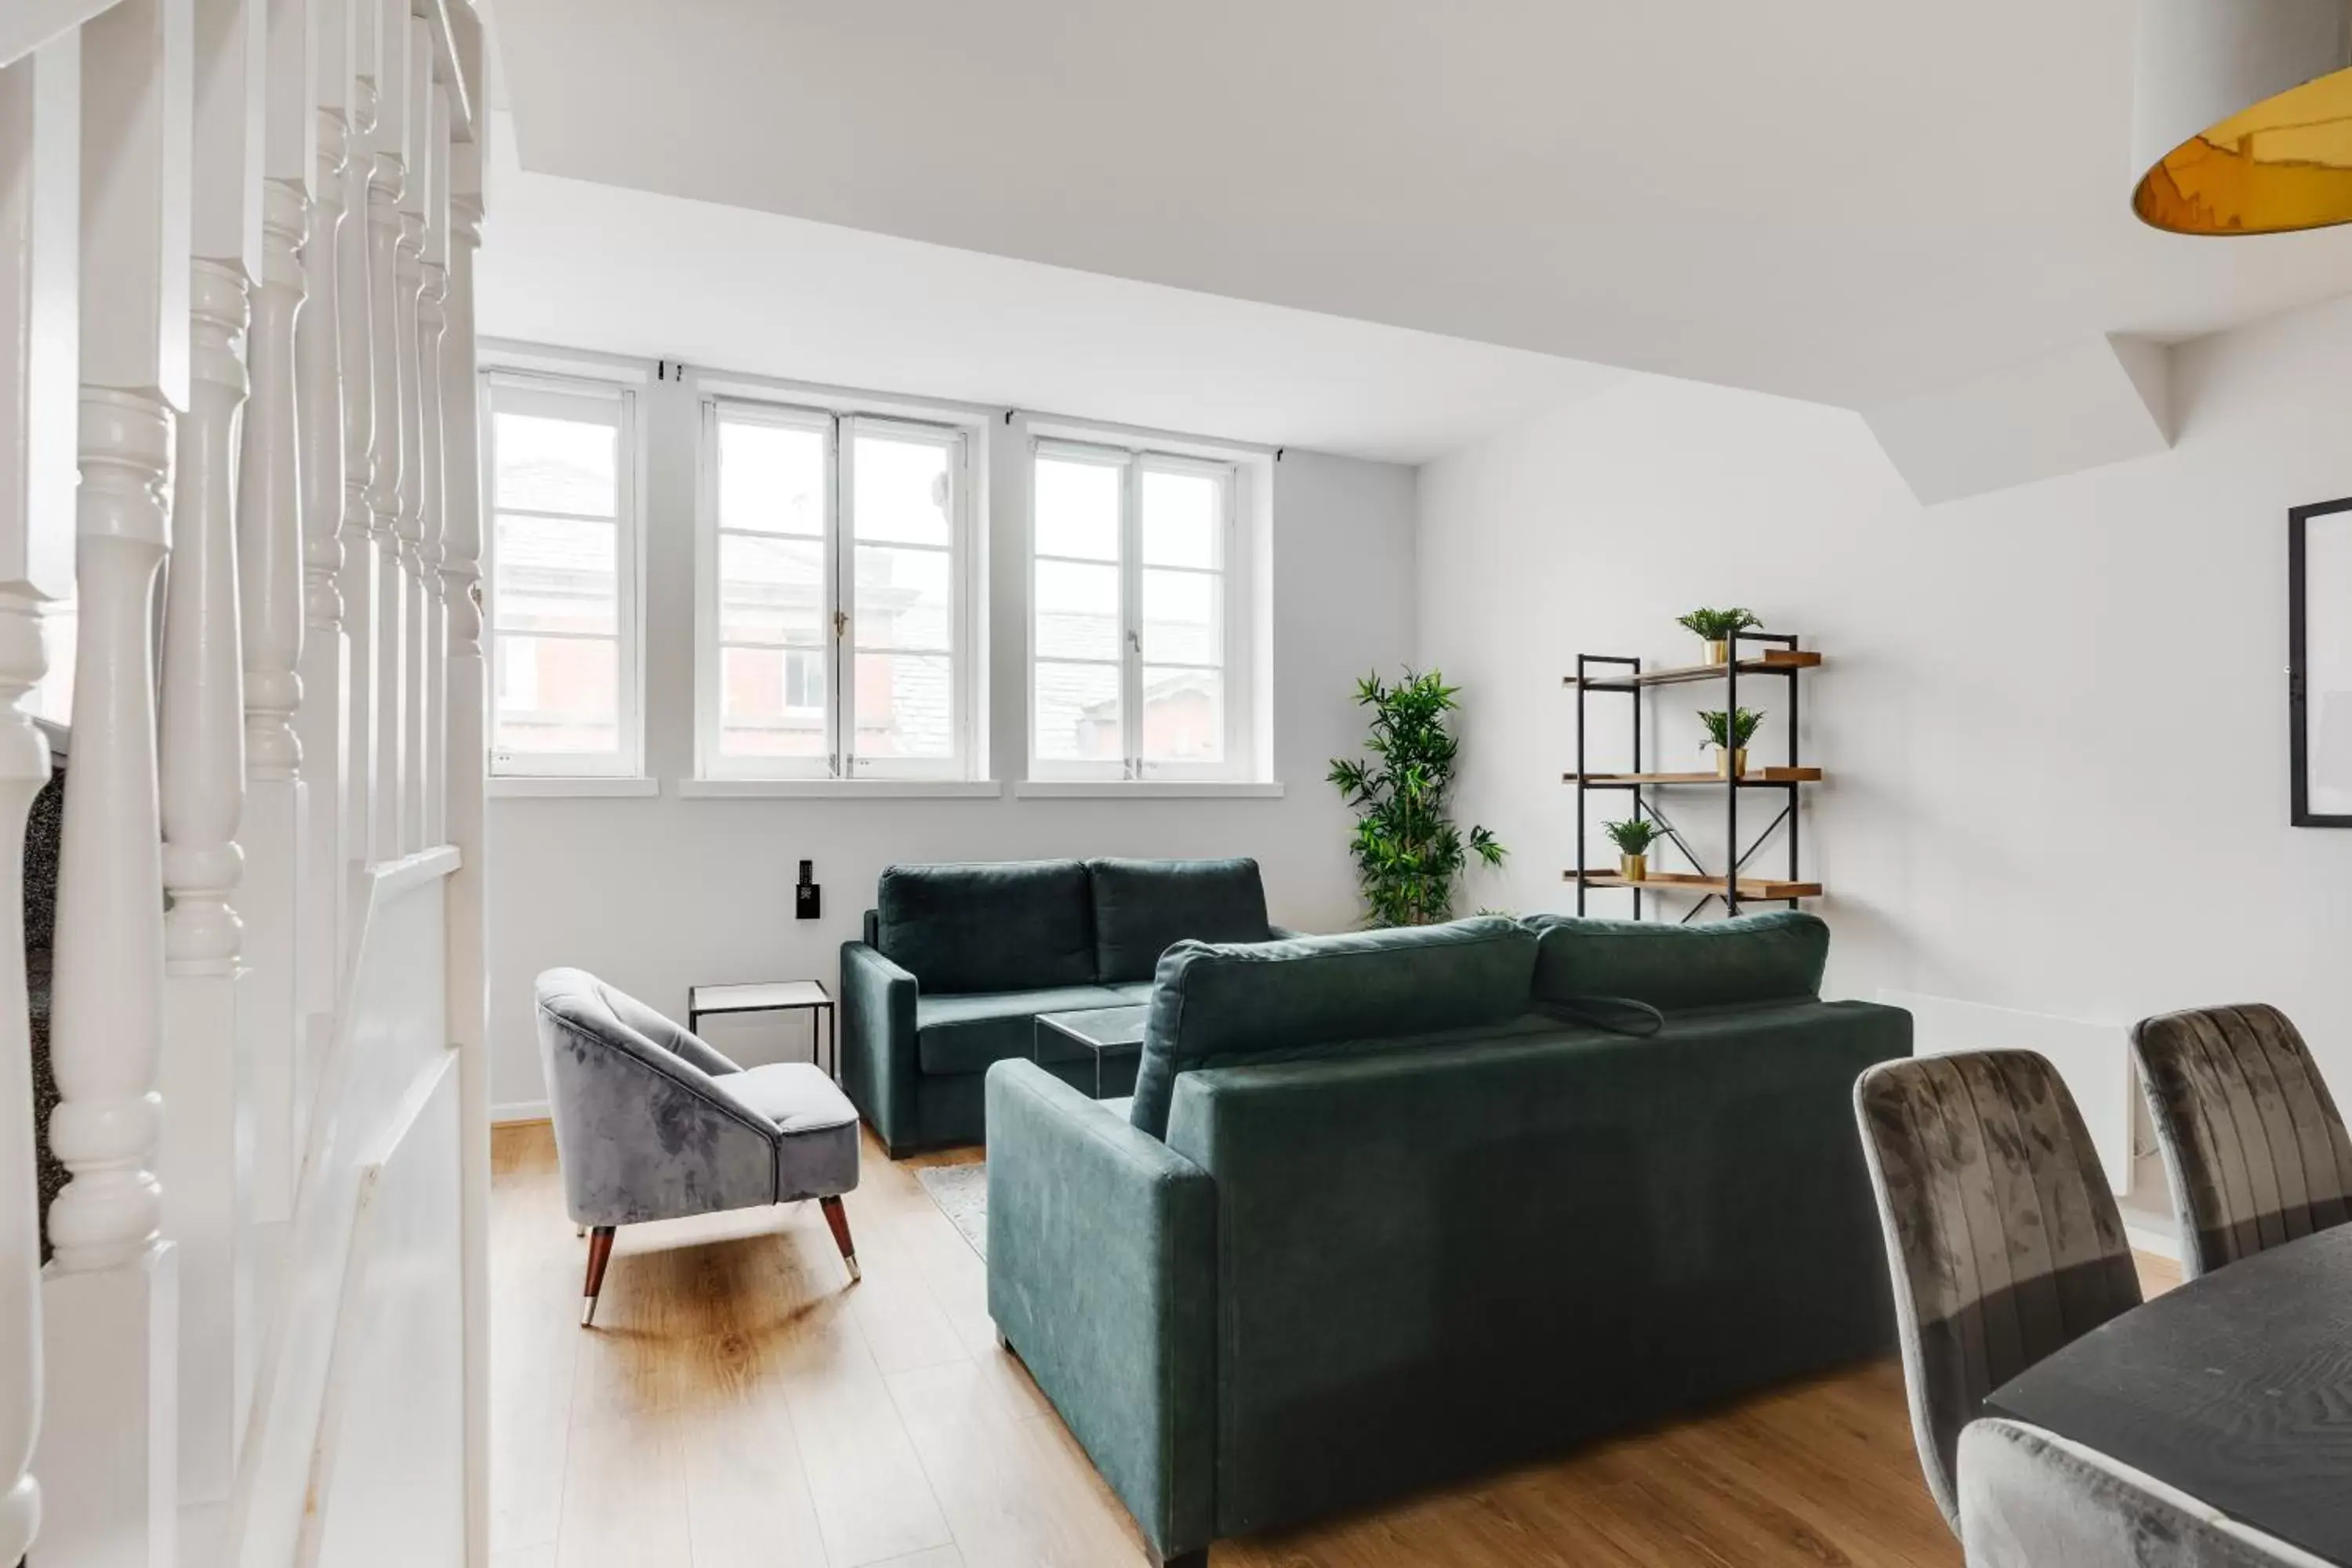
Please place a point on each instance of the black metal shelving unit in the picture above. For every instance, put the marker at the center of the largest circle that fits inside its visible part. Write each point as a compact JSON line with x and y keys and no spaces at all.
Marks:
{"x":1777,"y":657}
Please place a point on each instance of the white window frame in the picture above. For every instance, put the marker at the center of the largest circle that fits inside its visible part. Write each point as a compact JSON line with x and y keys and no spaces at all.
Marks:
{"x":1238,"y":614}
{"x":515,"y":390}
{"x":841,"y":427}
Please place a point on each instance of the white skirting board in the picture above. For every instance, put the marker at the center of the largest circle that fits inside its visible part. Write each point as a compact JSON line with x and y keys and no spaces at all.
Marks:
{"x":521,"y":1110}
{"x":2094,"y":1060}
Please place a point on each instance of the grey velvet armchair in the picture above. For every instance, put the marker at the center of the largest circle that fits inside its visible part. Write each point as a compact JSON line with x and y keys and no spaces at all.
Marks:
{"x":652,"y":1123}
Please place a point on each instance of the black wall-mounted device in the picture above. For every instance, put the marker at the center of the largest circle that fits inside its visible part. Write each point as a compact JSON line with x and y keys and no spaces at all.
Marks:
{"x":807,"y":900}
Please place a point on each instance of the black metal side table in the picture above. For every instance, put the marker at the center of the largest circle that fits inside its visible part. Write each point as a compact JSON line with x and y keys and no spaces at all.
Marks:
{"x":768,"y":997}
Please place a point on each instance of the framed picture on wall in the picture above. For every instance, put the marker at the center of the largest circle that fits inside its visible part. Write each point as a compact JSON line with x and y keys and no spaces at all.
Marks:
{"x":2319,"y":662}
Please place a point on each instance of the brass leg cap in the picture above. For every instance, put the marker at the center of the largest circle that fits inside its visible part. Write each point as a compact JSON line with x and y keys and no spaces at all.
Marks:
{"x":855,"y":1273}
{"x":587,"y":1311}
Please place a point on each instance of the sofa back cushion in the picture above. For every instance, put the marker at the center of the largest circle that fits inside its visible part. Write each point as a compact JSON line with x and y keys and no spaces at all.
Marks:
{"x":1775,"y":957}
{"x":1215,"y":1004}
{"x":1012,"y":925}
{"x":1142,"y":908}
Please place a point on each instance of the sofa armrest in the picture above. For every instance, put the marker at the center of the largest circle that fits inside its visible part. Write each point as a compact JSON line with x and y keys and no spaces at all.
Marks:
{"x":877,"y":1040}
{"x":1102,"y":1258}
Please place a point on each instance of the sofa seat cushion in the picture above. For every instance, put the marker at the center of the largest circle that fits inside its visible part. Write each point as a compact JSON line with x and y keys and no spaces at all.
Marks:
{"x":1004,"y":926}
{"x":1232,"y":1003}
{"x":963,"y":1034}
{"x":1773,"y":957}
{"x":1142,"y":908}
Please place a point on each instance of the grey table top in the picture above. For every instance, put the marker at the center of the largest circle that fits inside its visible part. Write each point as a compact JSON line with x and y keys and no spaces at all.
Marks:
{"x":1108,"y":1030}
{"x":2236,"y":1387}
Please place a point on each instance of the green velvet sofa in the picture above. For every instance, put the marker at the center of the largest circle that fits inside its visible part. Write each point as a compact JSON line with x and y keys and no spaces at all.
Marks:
{"x":1388,"y":1209}
{"x":959,"y":960}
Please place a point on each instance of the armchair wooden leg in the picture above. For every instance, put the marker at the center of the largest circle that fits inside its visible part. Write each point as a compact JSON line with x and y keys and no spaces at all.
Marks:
{"x":838,"y":1219}
{"x":600,"y":1252}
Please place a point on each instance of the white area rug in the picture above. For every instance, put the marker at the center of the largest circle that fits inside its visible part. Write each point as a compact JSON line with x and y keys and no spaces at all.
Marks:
{"x":961,"y":1192}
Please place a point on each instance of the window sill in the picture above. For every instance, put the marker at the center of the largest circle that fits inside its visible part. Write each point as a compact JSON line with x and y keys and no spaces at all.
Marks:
{"x":840,"y":789}
{"x":513,"y":787}
{"x":1146,"y":789}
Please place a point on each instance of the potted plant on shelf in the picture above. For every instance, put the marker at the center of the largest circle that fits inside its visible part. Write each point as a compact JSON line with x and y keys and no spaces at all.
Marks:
{"x":1633,"y":838}
{"x":1729,"y":733}
{"x":1717,"y":627}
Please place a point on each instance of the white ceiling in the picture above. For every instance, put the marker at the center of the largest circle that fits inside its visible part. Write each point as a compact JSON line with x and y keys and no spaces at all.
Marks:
{"x":1844,"y":200}
{"x":598,"y":266}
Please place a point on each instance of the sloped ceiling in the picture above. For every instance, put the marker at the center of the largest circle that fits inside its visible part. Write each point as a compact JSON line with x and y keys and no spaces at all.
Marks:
{"x":1846,"y":201}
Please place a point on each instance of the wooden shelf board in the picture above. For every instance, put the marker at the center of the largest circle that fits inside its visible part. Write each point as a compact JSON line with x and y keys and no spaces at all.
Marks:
{"x":1777,"y":661}
{"x":1753,"y":776}
{"x":1755,"y":887}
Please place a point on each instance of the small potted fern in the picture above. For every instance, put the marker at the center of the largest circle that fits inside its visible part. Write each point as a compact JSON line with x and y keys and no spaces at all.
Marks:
{"x":1717,"y":627}
{"x":1633,"y":838}
{"x":1729,"y":733}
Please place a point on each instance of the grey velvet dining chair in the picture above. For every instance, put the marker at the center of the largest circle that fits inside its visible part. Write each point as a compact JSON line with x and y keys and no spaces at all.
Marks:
{"x":2002,"y":1239}
{"x":2255,"y":1150}
{"x":651,"y":1123}
{"x":2030,"y":1499}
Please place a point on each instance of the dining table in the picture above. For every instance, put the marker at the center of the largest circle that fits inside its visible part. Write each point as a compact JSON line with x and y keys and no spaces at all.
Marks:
{"x":2235,"y":1388}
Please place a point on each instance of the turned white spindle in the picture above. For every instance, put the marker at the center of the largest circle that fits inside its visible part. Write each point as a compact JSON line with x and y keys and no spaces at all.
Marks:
{"x":355,"y":301}
{"x":40,"y":140}
{"x":319,"y":723}
{"x":203,"y":719}
{"x":109,"y":1433}
{"x":432,"y":318}
{"x":408,"y":782}
{"x":269,"y":507}
{"x":202,"y":778}
{"x":464,"y":767}
{"x":432,"y":322}
{"x":387,"y":182}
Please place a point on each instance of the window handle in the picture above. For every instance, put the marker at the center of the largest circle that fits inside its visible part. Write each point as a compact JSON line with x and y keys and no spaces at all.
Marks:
{"x":841,"y":623}
{"x":1135,"y":639}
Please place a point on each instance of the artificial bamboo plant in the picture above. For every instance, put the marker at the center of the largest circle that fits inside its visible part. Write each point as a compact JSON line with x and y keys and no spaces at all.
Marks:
{"x":1408,"y":852}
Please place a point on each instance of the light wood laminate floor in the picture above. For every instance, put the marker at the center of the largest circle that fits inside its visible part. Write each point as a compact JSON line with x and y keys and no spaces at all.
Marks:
{"x":739,"y":1404}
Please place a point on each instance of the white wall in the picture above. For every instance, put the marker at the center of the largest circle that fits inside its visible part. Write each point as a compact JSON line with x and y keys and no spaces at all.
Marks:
{"x":655,"y":895}
{"x":2054,"y":718}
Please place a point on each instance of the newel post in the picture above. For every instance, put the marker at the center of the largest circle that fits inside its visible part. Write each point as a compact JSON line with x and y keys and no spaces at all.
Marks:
{"x":40,"y":376}
{"x":110,"y":1302}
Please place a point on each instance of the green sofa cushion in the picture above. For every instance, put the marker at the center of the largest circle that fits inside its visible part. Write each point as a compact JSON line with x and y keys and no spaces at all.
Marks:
{"x":1213,"y":1005}
{"x":965,"y":1033}
{"x":1142,"y":908}
{"x":1774,"y":957}
{"x":1016,"y":925}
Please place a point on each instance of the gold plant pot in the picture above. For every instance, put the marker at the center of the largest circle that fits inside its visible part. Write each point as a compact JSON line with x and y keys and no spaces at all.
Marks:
{"x":1633,"y":868}
{"x":1730,"y":763}
{"x":1719,"y":651}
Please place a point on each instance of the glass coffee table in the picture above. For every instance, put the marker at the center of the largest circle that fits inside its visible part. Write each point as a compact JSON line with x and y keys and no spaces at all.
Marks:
{"x":1105,"y":1032}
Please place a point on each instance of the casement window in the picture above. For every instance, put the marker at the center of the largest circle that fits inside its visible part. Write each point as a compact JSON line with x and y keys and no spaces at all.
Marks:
{"x":833,"y":618}
{"x":1137,"y":641}
{"x":562,"y":613}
